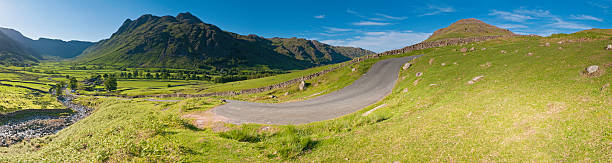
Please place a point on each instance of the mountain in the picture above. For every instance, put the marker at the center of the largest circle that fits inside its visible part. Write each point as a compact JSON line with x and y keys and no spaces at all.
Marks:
{"x":185,"y":41}
{"x":49,"y":47}
{"x":468,"y":28}
{"x":14,"y":53}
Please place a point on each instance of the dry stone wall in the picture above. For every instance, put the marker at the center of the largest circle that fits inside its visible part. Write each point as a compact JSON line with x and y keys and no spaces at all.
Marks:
{"x":419,"y":46}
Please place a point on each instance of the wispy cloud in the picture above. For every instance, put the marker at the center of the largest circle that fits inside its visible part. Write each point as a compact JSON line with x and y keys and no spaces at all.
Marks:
{"x":540,"y":16}
{"x":334,"y":29}
{"x":319,"y":16}
{"x":585,"y":17}
{"x":354,"y":13}
{"x":510,"y":16}
{"x":391,"y":17}
{"x":371,"y":23}
{"x":380,"y":41}
{"x":435,"y":10}
{"x":560,"y":23}
{"x":536,"y":13}
{"x":511,"y":26}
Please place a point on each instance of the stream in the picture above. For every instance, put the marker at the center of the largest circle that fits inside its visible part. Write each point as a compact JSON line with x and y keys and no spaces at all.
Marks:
{"x":15,"y":131}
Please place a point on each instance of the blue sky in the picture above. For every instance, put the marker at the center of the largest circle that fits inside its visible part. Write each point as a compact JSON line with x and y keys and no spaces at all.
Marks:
{"x":375,"y":25}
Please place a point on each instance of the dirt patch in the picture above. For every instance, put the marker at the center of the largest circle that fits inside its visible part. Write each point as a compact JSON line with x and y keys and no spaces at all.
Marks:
{"x":207,"y":119}
{"x":556,"y":107}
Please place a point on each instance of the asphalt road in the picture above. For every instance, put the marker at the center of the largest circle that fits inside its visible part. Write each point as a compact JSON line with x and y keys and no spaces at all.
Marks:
{"x":373,"y":86}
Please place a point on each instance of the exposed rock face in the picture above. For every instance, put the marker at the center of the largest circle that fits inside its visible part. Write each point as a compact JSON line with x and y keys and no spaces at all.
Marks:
{"x":592,"y":69}
{"x":406,"y":66}
{"x":302,"y":85}
{"x":475,"y":79}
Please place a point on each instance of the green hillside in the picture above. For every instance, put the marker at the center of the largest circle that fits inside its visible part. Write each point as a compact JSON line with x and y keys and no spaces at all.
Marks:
{"x":14,"y":53}
{"x":468,"y":28}
{"x":532,"y":102}
{"x":48,"y":47}
{"x":185,"y":41}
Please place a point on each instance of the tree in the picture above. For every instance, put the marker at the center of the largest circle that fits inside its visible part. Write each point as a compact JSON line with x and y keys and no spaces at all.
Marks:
{"x":73,"y":83}
{"x":110,"y":84}
{"x":59,"y":87}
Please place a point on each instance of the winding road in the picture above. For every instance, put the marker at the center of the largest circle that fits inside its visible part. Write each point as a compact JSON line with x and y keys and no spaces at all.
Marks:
{"x":373,"y":86}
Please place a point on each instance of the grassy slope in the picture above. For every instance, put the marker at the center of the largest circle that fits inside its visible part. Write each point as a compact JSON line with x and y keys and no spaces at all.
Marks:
{"x":525,"y":108}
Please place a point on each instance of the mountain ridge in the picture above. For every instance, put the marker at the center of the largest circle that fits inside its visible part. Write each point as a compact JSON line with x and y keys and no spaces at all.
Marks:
{"x":47,"y":46}
{"x":184,"y":41}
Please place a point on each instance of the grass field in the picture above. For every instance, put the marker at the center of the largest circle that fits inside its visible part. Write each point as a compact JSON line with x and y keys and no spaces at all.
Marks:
{"x":533,"y":103}
{"x":14,"y":99}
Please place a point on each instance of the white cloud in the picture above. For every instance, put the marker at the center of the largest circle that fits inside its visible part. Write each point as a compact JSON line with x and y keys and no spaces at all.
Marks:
{"x":536,"y":13}
{"x":435,"y":10}
{"x":371,"y":23}
{"x":319,"y":16}
{"x":380,"y":41}
{"x":585,"y":17}
{"x":510,"y":16}
{"x":354,"y":13}
{"x":511,"y":26}
{"x":391,"y":17}
{"x":544,"y":16}
{"x":333,"y":29}
{"x":560,"y":23}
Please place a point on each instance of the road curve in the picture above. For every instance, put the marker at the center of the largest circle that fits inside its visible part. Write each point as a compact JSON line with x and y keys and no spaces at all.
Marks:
{"x":373,"y":86}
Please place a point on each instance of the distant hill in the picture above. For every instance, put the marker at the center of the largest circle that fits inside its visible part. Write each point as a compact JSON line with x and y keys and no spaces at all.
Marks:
{"x":14,"y":53}
{"x":468,"y":28}
{"x":185,"y":41}
{"x":49,"y":47}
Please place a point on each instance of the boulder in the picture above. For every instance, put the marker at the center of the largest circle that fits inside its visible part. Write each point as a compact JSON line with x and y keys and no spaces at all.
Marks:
{"x":464,"y":50}
{"x":354,"y":69}
{"x":605,"y":87}
{"x":443,"y":64}
{"x":475,"y":79}
{"x":406,"y":66}
{"x":302,"y":85}
{"x":530,"y":54}
{"x":419,"y":74}
{"x":286,"y":93}
{"x":503,"y":52}
{"x":592,"y":69}
{"x":472,"y":49}
{"x":609,"y":47}
{"x":547,"y":44}
{"x":483,"y":49}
